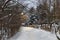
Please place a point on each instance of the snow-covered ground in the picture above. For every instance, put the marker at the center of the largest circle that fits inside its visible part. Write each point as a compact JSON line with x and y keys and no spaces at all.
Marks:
{"x":28,"y":33}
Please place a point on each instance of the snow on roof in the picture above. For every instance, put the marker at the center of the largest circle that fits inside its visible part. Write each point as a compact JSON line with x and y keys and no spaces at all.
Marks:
{"x":28,"y":33}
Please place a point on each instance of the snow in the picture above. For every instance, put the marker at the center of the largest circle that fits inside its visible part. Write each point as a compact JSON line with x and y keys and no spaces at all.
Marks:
{"x":58,"y":34}
{"x":28,"y":33}
{"x":54,"y":28}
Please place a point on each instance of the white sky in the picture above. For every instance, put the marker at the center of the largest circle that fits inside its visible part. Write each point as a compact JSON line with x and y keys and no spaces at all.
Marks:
{"x":32,"y":3}
{"x":29,"y":3}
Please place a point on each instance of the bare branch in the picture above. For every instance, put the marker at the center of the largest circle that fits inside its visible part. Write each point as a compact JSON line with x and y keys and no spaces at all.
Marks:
{"x":5,"y":4}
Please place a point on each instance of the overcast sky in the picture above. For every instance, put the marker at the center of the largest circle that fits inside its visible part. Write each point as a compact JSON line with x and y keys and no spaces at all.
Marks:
{"x":32,"y":3}
{"x":29,"y":3}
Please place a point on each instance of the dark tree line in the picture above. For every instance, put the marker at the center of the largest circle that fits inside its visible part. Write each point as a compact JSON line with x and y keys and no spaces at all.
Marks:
{"x":10,"y":20}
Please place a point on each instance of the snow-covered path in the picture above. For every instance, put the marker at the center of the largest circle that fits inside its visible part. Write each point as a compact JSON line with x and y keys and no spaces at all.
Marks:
{"x":28,"y":33}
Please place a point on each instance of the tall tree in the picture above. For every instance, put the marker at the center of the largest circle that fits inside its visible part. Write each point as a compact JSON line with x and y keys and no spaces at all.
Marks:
{"x":10,"y":20}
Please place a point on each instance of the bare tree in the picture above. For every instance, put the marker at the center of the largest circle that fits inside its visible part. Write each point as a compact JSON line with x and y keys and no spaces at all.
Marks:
{"x":10,"y":20}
